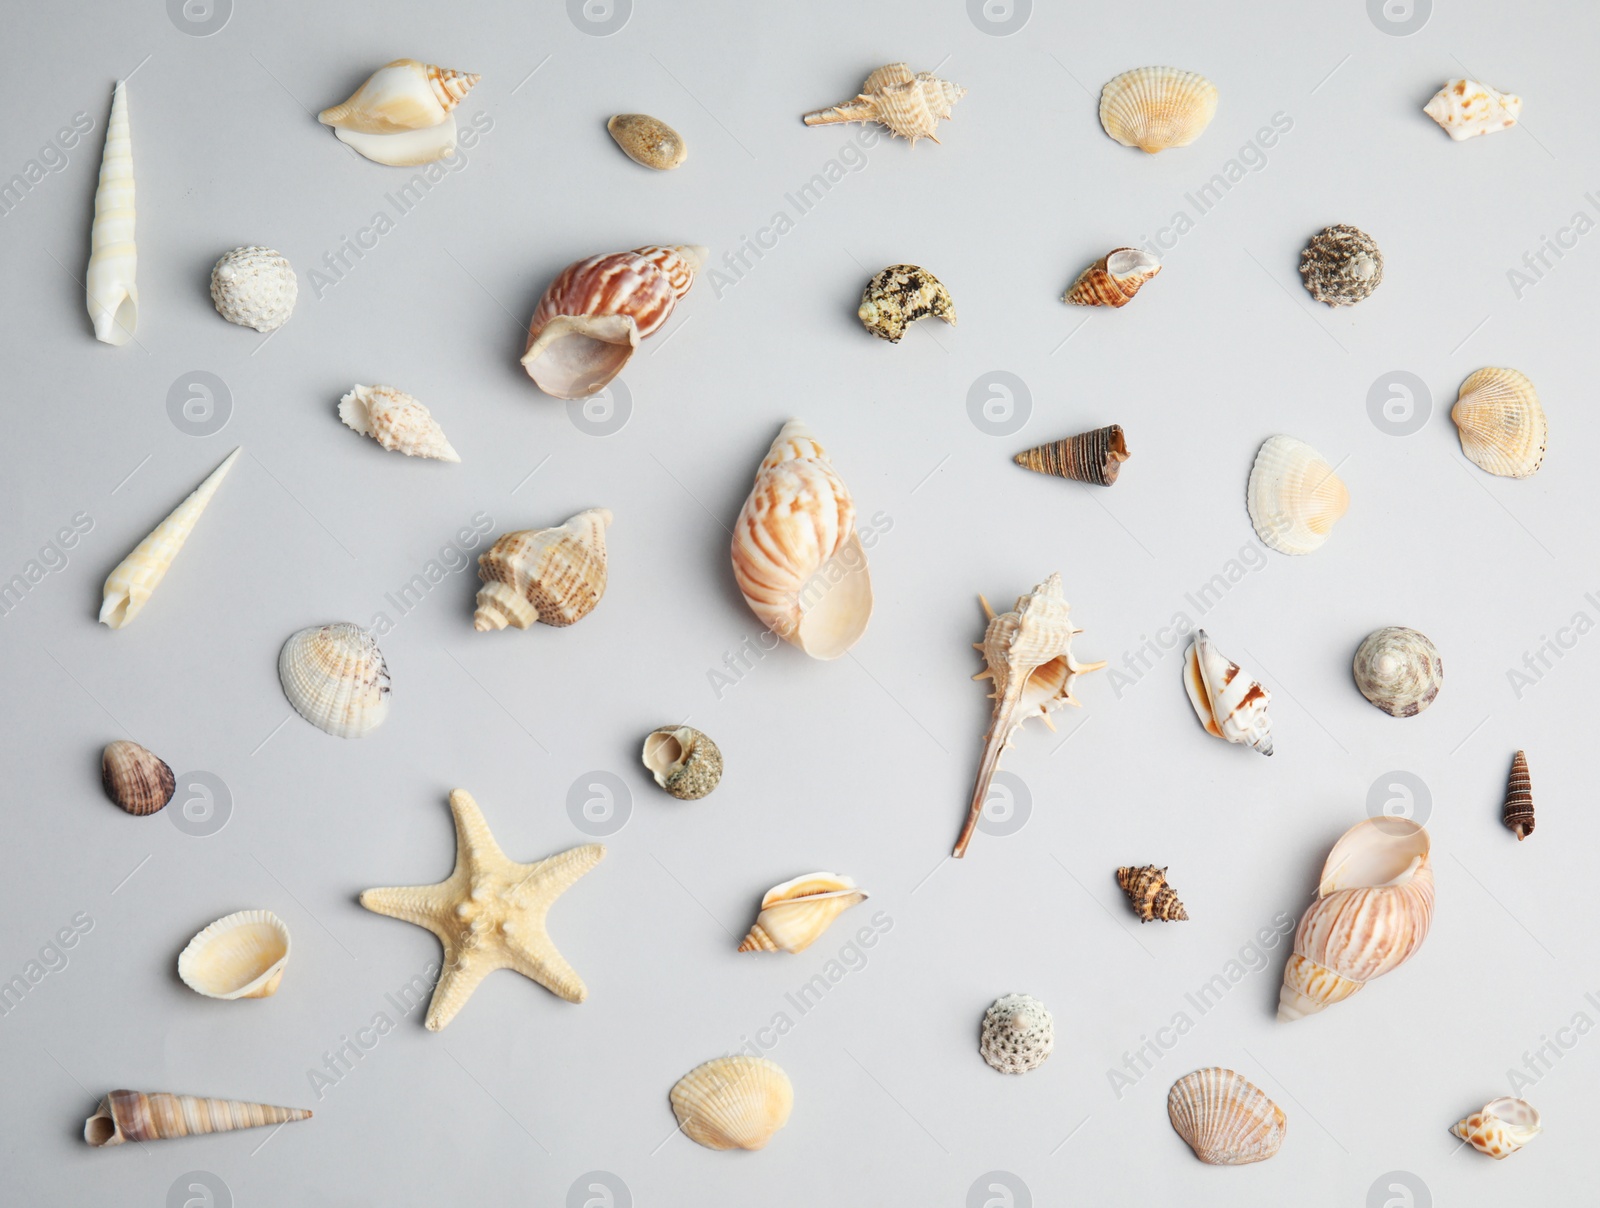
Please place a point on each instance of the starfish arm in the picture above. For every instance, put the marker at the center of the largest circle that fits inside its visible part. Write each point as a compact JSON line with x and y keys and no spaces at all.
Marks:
{"x":423,"y":905}
{"x":546,"y":880}
{"x":474,"y":840}
{"x":456,"y":984}
{"x":535,"y":956}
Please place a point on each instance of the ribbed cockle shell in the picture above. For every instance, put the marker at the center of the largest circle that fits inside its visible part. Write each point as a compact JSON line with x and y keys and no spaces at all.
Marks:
{"x":1517,"y":813}
{"x":1154,"y":108}
{"x":554,"y":575}
{"x":240,"y":956}
{"x":795,"y":913}
{"x":910,"y":105}
{"x":1113,"y":279}
{"x":1501,"y":423}
{"x":1294,"y":498}
{"x":1500,"y":1128}
{"x":136,"y":779}
{"x":733,"y":1102}
{"x":336,"y":678}
{"x":157,"y":1116}
{"x":1226,"y":1119}
{"x":1228,"y":702}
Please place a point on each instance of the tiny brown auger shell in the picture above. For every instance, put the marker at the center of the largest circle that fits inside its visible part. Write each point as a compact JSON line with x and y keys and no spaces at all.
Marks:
{"x":1518,"y":811}
{"x":157,"y":1116}
{"x":136,"y":779}
{"x":1094,"y":457}
{"x":1150,"y":895}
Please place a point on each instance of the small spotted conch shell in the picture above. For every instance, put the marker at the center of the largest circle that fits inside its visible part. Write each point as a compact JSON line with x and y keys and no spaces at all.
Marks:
{"x":403,"y":114}
{"x":1373,"y":909}
{"x":1294,"y":497}
{"x":898,"y":296}
{"x":1113,"y":279}
{"x":1229,"y":703}
{"x":1466,"y":108}
{"x":1399,"y":670}
{"x":1154,"y":108}
{"x":1028,"y":652}
{"x":911,"y":106}
{"x":335,"y":677}
{"x":396,"y":421}
{"x":1341,"y":265}
{"x":254,"y":287}
{"x":683,"y":761}
{"x":109,"y":285}
{"x":1018,"y":1034}
{"x":797,"y":557}
{"x":1501,"y":423}
{"x":592,"y":317}
{"x":794,"y":914}
{"x":156,"y":1116}
{"x":1226,"y":1119}
{"x":1501,"y":1128}
{"x":1094,"y":457}
{"x":1150,"y":895}
{"x":240,"y":956}
{"x":138,"y":780}
{"x":1517,"y":813}
{"x":733,"y":1102}
{"x":554,"y":575}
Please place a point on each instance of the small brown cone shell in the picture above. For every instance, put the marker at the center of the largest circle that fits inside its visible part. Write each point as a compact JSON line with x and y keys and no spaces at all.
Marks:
{"x":1094,"y":457}
{"x":1150,"y":894}
{"x":1518,"y":812}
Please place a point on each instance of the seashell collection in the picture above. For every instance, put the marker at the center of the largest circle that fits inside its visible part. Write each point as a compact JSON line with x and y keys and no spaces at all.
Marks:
{"x":1018,"y":1034}
{"x":1150,"y":895}
{"x":910,"y":105}
{"x":1399,"y":670}
{"x":898,"y":296}
{"x":1225,"y":1118}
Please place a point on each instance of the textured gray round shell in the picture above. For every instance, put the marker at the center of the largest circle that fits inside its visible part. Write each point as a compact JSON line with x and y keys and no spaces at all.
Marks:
{"x":254,"y":287}
{"x":1018,"y":1034}
{"x":1341,"y":265}
{"x":684,"y":761}
{"x":1399,"y":670}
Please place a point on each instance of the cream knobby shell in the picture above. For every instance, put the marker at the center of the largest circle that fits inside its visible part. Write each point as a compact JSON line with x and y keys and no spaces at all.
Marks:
{"x":733,"y":1102}
{"x":335,"y":677}
{"x":794,"y":914}
{"x":254,"y":287}
{"x":1501,"y":423}
{"x":684,"y":761}
{"x":1293,"y":497}
{"x":396,"y":421}
{"x":240,"y":956}
{"x":1018,"y":1034}
{"x":1154,"y":108}
{"x":1226,"y":1119}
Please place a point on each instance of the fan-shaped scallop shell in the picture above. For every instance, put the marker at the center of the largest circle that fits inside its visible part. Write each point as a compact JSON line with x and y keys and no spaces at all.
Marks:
{"x":1517,"y":813}
{"x":136,"y":779}
{"x":254,"y":287}
{"x":1399,"y":670}
{"x":592,"y":317}
{"x":335,"y":677}
{"x":156,"y":1116}
{"x":910,"y":105}
{"x":1154,"y":108}
{"x":683,"y":761}
{"x":554,"y":575}
{"x":400,"y":96}
{"x":1226,"y":1119}
{"x":1113,"y":279}
{"x":1229,"y":703}
{"x":794,"y":914}
{"x":396,"y":421}
{"x":1341,"y":265}
{"x":1293,"y":497}
{"x":733,"y":1102}
{"x":1501,"y":423}
{"x":240,"y":956}
{"x":1500,"y":1128}
{"x":110,"y":290}
{"x":1466,"y":108}
{"x":1018,"y":1034}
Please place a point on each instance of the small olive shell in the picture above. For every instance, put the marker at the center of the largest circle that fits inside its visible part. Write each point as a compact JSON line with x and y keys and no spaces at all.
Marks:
{"x":648,"y":141}
{"x":684,"y":761}
{"x":137,"y":780}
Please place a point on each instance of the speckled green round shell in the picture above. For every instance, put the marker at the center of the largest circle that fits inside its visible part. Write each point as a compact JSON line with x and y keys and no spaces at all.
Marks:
{"x":688,"y":773}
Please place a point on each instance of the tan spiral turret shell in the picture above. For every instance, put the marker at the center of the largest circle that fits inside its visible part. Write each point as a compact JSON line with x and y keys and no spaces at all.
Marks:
{"x":157,"y":1116}
{"x":554,"y":575}
{"x":1113,"y":279}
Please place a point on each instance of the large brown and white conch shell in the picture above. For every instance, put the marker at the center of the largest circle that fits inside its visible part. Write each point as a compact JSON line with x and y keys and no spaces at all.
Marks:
{"x":1372,"y":912}
{"x":1113,"y":279}
{"x":795,"y":913}
{"x":403,"y":114}
{"x":1029,"y":655}
{"x":593,"y":315}
{"x":735,"y":1102}
{"x":1502,"y":1127}
{"x":1226,"y":1119}
{"x":555,"y":575}
{"x":910,"y":105}
{"x":109,"y":285}
{"x":1229,"y":703}
{"x":796,"y":554}
{"x":158,"y":1116}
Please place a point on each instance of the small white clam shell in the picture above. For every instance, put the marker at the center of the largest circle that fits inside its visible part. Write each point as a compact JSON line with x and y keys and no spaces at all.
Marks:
{"x":1294,"y":497}
{"x":240,"y":956}
{"x":335,"y":677}
{"x":396,"y":421}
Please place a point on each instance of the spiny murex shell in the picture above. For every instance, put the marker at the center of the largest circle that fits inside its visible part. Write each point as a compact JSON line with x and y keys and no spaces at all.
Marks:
{"x":254,"y":287}
{"x":335,"y":677}
{"x":1501,"y":423}
{"x":1466,"y":108}
{"x":1373,"y":910}
{"x":733,"y":1102}
{"x":555,"y":575}
{"x":111,"y":291}
{"x":648,"y":141}
{"x":898,"y":296}
{"x":239,"y":956}
{"x":1094,"y":457}
{"x":796,"y":555}
{"x":795,"y":913}
{"x":1517,"y":813}
{"x":403,"y":114}
{"x":910,"y":105}
{"x":135,"y":578}
{"x":396,"y":421}
{"x":157,"y":1116}
{"x":1018,"y":1034}
{"x":1502,"y":1127}
{"x":136,"y":779}
{"x":1341,"y":265}
{"x":1226,"y":1119}
{"x":1154,"y":108}
{"x":684,"y":761}
{"x":1113,"y":279}
{"x":1149,"y":894}
{"x":1399,"y":670}
{"x":1294,"y":497}
{"x":592,"y":317}
{"x":1229,"y":703}
{"x":1028,"y":652}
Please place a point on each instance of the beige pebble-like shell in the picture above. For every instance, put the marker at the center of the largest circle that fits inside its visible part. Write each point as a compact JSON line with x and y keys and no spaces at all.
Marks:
{"x":239,"y":956}
{"x":554,"y":575}
{"x":1399,"y":670}
{"x":157,"y":1116}
{"x":648,"y":141}
{"x":683,"y":761}
{"x":794,"y":914}
{"x":1226,"y":1119}
{"x":1018,"y":1034}
{"x":1501,"y":423}
{"x":1154,"y":108}
{"x":1294,"y":497}
{"x":136,"y":779}
{"x":1501,"y":1127}
{"x":396,"y":421}
{"x":734,"y":1102}
{"x":254,"y":287}
{"x":1230,"y":704}
{"x":1113,"y":279}
{"x":910,"y":104}
{"x":1466,"y":109}
{"x":898,"y":296}
{"x":335,"y":677}
{"x":1341,"y":265}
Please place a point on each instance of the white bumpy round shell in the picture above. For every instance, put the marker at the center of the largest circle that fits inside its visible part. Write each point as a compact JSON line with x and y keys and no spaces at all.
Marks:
{"x":335,"y":677}
{"x":1154,"y":108}
{"x":240,"y":956}
{"x":254,"y":287}
{"x":1294,"y":497}
{"x":1226,"y":1119}
{"x":1018,"y":1034}
{"x":1501,"y":423}
{"x":733,"y":1102}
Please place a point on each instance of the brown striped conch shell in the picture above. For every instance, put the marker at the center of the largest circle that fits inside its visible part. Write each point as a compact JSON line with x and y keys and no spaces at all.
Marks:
{"x":403,"y":114}
{"x":795,"y":913}
{"x":1517,"y":813}
{"x":1113,"y":279}
{"x":396,"y":421}
{"x":1501,"y":423}
{"x":1294,"y":498}
{"x":157,"y":1116}
{"x":1466,"y":109}
{"x":1399,"y":670}
{"x":1226,"y":1119}
{"x":1502,"y":1127}
{"x":1230,"y":704}
{"x":109,"y":286}
{"x":1150,"y":895}
{"x":1373,"y":909}
{"x":553,"y":575}
{"x":136,"y":779}
{"x":591,"y":319}
{"x":1094,"y":457}
{"x":240,"y":956}
{"x":733,"y":1102}
{"x":336,"y":678}
{"x":1028,"y":652}
{"x":796,"y":555}
{"x":1154,"y":108}
{"x":910,"y":105}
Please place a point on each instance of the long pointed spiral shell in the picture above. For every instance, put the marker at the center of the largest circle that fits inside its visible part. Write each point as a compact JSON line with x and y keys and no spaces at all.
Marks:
{"x":794,"y":914}
{"x":113,"y":295}
{"x":1226,"y":1119}
{"x":1094,"y":457}
{"x":157,"y":1116}
{"x":733,"y":1102}
{"x":1517,"y":813}
{"x":554,"y":575}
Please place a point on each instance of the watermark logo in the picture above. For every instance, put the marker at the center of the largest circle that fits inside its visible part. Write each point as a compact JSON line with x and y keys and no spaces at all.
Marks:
{"x":1008,"y":806}
{"x":1399,"y":18}
{"x":599,"y":803}
{"x":202,"y":804}
{"x":599,"y":1189}
{"x":999,"y":403}
{"x":1399,"y":1189}
{"x":199,"y":1189}
{"x":599,"y":18}
{"x":199,"y":403}
{"x":602,"y":414}
{"x":1400,"y":795}
{"x":999,"y":1189}
{"x":199,"y":19}
{"x":999,"y":18}
{"x":1399,"y":403}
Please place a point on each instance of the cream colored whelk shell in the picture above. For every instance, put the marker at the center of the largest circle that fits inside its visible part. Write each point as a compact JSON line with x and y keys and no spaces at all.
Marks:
{"x":1230,"y":704}
{"x":1500,"y":1128}
{"x":1294,"y":497}
{"x":112,"y":293}
{"x":553,"y":576}
{"x":335,"y":677}
{"x":795,"y":914}
{"x":396,"y":421}
{"x":1018,"y":1034}
{"x":240,"y":956}
{"x":254,"y":287}
{"x":734,"y":1102}
{"x":683,"y":761}
{"x":1466,"y":109}
{"x":403,"y":114}
{"x":1399,"y":670}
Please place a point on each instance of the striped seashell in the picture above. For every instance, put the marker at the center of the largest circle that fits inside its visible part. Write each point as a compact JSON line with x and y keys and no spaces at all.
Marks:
{"x":1094,"y":457}
{"x":1399,"y":670}
{"x":136,"y":779}
{"x":683,"y":761}
{"x":794,"y":914}
{"x":1294,"y":498}
{"x":1502,"y":1127}
{"x":1154,"y":108}
{"x":239,"y":956}
{"x":1151,"y":896}
{"x":1517,"y":813}
{"x":112,"y":293}
{"x":1501,"y":423}
{"x":158,"y":1116}
{"x":400,"y":96}
{"x":1229,"y":703}
{"x":1226,"y":1119}
{"x":396,"y":421}
{"x":335,"y":677}
{"x":592,"y":317}
{"x":910,"y":105}
{"x":734,"y":1102}
{"x":554,"y":575}
{"x":1113,"y":279}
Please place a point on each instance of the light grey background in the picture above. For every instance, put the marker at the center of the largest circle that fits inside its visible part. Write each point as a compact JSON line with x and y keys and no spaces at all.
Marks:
{"x":864,"y":765}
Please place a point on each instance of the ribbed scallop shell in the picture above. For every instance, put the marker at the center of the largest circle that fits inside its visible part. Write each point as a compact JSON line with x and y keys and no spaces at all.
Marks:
{"x":1094,"y":457}
{"x":554,"y":575}
{"x":254,"y":287}
{"x":1226,"y":1119}
{"x":592,"y":317}
{"x":335,"y":677}
{"x":683,"y":761}
{"x":400,"y":96}
{"x":1502,"y":1127}
{"x":239,"y":956}
{"x":1018,"y":1034}
{"x":733,"y":1102}
{"x":1293,"y":497}
{"x":136,"y":779}
{"x":396,"y":421}
{"x":1399,"y":670}
{"x":794,"y":914}
{"x":796,"y":555}
{"x":1501,"y":423}
{"x":156,"y":1116}
{"x":910,"y":105}
{"x":1229,"y":703}
{"x":1517,"y":812}
{"x":1373,"y":910}
{"x":1113,"y":279}
{"x":110,"y":290}
{"x":1154,"y":108}
{"x":1466,"y":108}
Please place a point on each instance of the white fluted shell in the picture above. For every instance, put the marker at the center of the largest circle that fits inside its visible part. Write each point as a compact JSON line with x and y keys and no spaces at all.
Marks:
{"x":240,"y":956}
{"x":335,"y":677}
{"x":1294,"y":497}
{"x":1154,"y":108}
{"x":1501,"y":423}
{"x":1226,"y":1119}
{"x":397,"y":421}
{"x":1399,"y":670}
{"x":733,"y":1102}
{"x":1501,"y":1127}
{"x":1230,"y":704}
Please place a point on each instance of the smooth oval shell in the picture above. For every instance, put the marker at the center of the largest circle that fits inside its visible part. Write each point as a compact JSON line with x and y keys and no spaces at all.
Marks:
{"x":1113,"y":279}
{"x":254,"y":287}
{"x":1229,"y":704}
{"x":1226,"y":1119}
{"x":733,"y":1102}
{"x":794,"y":914}
{"x":335,"y":677}
{"x":396,"y":421}
{"x":1341,"y":265}
{"x":1017,"y":1035}
{"x":1501,"y":423}
{"x":1466,"y":109}
{"x":156,"y":1116}
{"x":401,"y":96}
{"x":554,"y":575}
{"x":1294,"y":497}
{"x":648,"y":141}
{"x":1399,"y":670}
{"x":683,"y":761}
{"x":239,"y":956}
{"x":135,"y":778}
{"x":1501,"y":1127}
{"x":1154,"y":108}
